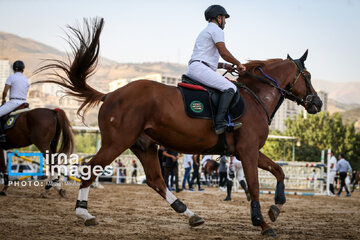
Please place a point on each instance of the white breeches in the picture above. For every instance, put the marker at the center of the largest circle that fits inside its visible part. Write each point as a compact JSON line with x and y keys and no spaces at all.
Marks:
{"x":9,"y":106}
{"x":205,"y":75}
{"x":332,"y":177}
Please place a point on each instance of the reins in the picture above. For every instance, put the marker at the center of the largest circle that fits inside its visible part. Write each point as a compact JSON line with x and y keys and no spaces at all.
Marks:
{"x":272,"y":82}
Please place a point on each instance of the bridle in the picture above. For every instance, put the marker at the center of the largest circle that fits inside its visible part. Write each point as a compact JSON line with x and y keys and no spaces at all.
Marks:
{"x":285,"y":93}
{"x":308,"y":98}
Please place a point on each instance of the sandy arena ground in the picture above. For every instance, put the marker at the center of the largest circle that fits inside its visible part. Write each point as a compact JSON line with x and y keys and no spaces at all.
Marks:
{"x":137,"y":212}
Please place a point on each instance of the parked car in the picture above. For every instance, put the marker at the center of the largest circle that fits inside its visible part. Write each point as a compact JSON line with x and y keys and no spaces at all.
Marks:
{"x":22,"y":168}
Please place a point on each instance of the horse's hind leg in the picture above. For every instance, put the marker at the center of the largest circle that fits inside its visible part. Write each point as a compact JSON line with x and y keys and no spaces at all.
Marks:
{"x":147,"y":154}
{"x":104,"y":157}
{"x":3,"y":169}
{"x":280,"y":199}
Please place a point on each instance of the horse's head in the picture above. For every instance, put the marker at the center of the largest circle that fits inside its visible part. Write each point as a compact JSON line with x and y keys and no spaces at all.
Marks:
{"x":301,"y":87}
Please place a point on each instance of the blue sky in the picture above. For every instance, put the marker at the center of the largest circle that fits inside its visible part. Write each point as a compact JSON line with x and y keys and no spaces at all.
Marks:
{"x":147,"y":31}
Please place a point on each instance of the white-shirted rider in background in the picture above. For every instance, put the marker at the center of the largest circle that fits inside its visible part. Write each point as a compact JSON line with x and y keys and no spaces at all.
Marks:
{"x":209,"y":46}
{"x":19,"y":86}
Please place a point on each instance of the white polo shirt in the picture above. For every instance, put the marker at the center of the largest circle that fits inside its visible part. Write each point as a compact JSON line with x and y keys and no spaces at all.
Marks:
{"x":19,"y":86}
{"x":333,"y":161}
{"x":188,"y":159}
{"x":205,"y":48}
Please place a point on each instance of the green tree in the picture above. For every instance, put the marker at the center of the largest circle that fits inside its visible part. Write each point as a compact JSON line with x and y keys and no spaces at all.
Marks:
{"x":85,"y":142}
{"x":323,"y":131}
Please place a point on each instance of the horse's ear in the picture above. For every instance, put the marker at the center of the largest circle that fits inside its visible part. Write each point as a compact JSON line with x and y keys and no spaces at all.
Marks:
{"x":303,"y":58}
{"x":288,"y":57}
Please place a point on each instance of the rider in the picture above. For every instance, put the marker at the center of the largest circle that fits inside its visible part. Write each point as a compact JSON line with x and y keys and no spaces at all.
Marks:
{"x":19,"y":86}
{"x":209,"y":46}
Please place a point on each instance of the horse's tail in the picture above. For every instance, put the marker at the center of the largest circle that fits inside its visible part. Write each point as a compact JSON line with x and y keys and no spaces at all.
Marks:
{"x":63,"y":127}
{"x":73,"y":75}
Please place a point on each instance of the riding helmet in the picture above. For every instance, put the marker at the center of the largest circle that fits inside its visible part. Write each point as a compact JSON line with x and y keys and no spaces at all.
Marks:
{"x":18,"y":66}
{"x":215,"y":10}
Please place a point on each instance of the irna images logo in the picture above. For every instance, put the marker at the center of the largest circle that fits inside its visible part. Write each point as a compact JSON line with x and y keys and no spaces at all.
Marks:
{"x":11,"y":157}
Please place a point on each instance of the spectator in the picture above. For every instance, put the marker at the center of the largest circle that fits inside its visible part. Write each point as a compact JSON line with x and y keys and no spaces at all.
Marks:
{"x":222,"y":173}
{"x":343,"y":167}
{"x":121,"y":171}
{"x":134,"y":173}
{"x":196,"y":175}
{"x":171,"y":158}
{"x":235,"y":168}
{"x":188,"y":162}
{"x":333,"y":163}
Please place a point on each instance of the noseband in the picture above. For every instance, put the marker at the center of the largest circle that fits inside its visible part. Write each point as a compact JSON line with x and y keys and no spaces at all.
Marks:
{"x":285,"y":93}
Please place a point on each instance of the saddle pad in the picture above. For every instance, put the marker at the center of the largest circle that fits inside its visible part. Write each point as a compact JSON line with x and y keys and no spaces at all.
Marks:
{"x":10,"y":122}
{"x":198,"y":104}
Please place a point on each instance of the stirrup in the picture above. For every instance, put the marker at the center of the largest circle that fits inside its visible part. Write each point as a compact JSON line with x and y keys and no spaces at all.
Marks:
{"x":220,"y":129}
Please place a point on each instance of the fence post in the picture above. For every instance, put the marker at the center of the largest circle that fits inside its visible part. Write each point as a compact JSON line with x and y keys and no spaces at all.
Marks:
{"x":322,"y":171}
{"x":328,"y":173}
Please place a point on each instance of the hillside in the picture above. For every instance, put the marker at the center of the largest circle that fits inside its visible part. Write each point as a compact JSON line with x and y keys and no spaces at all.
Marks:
{"x":342,"y":96}
{"x":33,"y":53}
{"x":343,"y":92}
{"x":352,"y":116}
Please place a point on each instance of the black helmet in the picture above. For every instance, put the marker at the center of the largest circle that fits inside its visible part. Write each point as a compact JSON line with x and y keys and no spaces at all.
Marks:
{"x":18,"y":66}
{"x":215,"y":10}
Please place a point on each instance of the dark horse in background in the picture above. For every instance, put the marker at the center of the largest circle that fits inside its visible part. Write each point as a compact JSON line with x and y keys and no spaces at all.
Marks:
{"x":355,"y":179}
{"x":41,"y":127}
{"x":155,"y":112}
{"x":211,"y":172}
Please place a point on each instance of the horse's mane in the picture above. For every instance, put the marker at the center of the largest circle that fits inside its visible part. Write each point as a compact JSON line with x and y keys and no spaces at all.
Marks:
{"x":252,"y":65}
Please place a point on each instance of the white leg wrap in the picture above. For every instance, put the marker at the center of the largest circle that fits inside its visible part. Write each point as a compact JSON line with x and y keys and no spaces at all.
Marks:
{"x":83,"y":194}
{"x":170,"y":197}
{"x":188,"y":213}
{"x":83,"y":213}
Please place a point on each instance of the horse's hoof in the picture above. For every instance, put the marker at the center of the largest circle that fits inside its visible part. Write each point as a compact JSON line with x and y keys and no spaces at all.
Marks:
{"x":269,"y":232}
{"x":91,"y":222}
{"x":274,"y":212}
{"x":2,"y":193}
{"x":195,"y":221}
{"x":62,"y":193}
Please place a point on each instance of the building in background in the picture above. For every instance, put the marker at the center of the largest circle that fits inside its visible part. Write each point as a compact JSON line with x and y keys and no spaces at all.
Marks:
{"x":286,"y":110}
{"x":5,"y":71}
{"x":324,"y":98}
{"x":158,"y":77}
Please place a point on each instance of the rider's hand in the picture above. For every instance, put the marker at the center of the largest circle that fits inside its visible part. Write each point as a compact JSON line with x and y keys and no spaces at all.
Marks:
{"x":230,"y":68}
{"x":241,"y":68}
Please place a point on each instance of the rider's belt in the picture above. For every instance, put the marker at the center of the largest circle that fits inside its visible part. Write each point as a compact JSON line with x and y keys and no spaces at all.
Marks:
{"x":24,"y":99}
{"x":205,"y":63}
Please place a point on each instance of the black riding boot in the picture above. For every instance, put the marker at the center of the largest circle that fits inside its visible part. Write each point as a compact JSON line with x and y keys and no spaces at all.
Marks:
{"x":224,"y":103}
{"x":229,"y":185}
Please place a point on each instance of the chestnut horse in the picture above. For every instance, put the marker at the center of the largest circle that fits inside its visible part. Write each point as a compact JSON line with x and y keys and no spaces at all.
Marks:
{"x":155,"y":112}
{"x":41,"y":127}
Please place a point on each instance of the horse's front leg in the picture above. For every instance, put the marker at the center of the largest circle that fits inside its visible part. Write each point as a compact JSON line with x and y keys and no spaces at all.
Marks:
{"x":267,"y":164}
{"x":4,"y":171}
{"x":249,"y":156}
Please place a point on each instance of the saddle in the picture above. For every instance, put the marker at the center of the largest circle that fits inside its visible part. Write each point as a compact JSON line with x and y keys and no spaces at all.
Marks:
{"x":9,"y":119}
{"x":202,"y":101}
